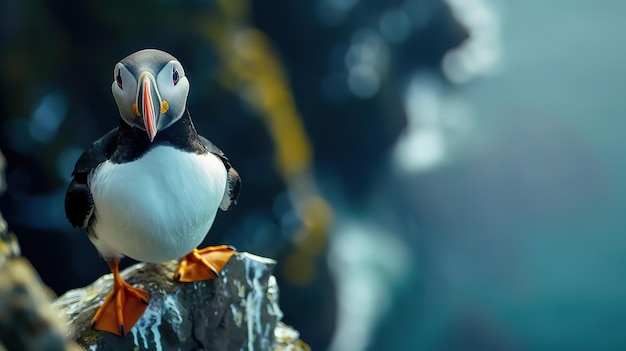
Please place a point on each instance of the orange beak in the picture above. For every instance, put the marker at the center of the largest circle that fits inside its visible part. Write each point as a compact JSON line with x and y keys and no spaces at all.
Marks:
{"x":149,"y":103}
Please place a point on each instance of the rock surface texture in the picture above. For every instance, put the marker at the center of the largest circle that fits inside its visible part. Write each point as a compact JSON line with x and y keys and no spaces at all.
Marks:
{"x":237,"y":311}
{"x":27,"y":322}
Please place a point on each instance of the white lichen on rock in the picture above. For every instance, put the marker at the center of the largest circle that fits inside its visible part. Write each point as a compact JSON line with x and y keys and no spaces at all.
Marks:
{"x":254,"y":271}
{"x":288,"y":339}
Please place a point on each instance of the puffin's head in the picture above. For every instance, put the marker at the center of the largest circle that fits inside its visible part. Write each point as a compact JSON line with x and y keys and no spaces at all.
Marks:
{"x":150,"y":89}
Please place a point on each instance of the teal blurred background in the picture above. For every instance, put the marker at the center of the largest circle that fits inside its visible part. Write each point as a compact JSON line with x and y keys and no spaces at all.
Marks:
{"x":430,"y":175}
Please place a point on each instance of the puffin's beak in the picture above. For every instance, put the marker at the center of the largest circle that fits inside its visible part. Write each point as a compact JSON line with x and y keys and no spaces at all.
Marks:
{"x":149,"y":103}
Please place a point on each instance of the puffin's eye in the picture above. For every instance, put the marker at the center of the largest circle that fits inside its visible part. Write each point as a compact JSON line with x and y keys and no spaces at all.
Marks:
{"x":118,"y":79}
{"x":175,"y":76}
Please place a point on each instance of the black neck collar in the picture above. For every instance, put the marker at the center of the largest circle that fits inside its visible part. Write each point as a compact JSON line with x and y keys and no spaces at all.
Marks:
{"x":133,"y":143}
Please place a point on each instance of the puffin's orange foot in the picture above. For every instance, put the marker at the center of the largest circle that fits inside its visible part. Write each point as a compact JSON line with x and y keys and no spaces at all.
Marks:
{"x":203,"y":264}
{"x":121,"y":309}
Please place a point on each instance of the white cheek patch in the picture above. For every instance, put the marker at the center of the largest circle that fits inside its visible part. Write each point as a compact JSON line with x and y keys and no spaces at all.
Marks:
{"x":175,"y":95}
{"x":126,"y":96}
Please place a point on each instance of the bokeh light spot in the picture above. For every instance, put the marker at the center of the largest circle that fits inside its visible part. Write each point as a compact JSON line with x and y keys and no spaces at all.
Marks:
{"x":395,"y":25}
{"x":46,"y":119}
{"x":363,"y":81}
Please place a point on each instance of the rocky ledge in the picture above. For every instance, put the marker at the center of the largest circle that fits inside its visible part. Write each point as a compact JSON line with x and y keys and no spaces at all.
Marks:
{"x":237,"y":311}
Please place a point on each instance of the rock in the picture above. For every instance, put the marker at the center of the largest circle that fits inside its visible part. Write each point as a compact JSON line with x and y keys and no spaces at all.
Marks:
{"x":9,"y":248}
{"x":27,"y":321}
{"x":237,"y":311}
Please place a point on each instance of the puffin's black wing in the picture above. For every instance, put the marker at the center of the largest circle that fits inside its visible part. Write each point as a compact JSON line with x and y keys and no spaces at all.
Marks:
{"x":78,"y":200}
{"x":233,"y":182}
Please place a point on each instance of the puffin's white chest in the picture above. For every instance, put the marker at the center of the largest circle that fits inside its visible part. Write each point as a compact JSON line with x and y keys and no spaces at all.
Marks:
{"x":157,"y":208}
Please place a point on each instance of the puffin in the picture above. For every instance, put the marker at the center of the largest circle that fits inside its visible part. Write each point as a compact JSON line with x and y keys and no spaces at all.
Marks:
{"x":150,"y":188}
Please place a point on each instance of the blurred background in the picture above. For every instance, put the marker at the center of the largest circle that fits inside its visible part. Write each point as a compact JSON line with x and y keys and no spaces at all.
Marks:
{"x":429,"y":174}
